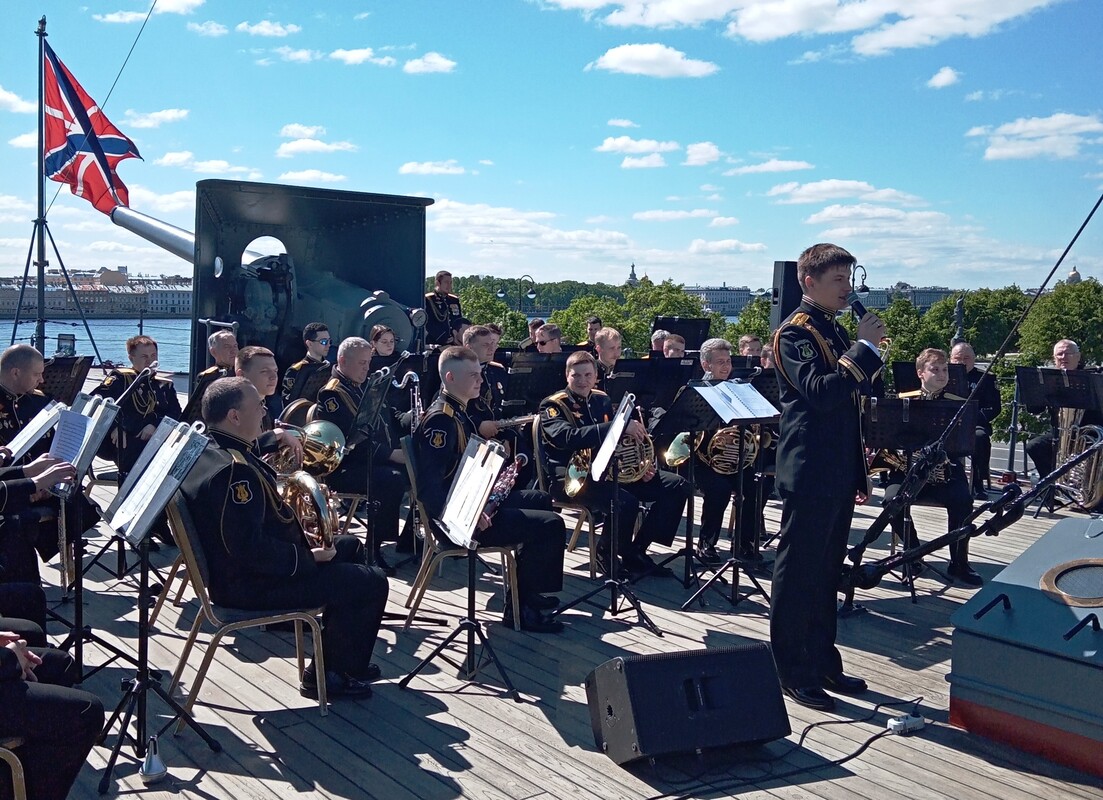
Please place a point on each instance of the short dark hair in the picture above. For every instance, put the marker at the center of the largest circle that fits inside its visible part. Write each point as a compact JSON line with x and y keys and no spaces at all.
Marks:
{"x":221,"y":396}
{"x":459,"y":322}
{"x":135,"y":342}
{"x":442,"y":274}
{"x":475,"y":332}
{"x":495,"y":328}
{"x":551,"y":330}
{"x":580,"y":357}
{"x":19,"y":356}
{"x":534,"y":324}
{"x":450,"y":355}
{"x":246,"y":355}
{"x":819,"y":258}
{"x":929,"y":356}
{"x":377,"y":332}
{"x":312,"y":329}
{"x":590,"y":320}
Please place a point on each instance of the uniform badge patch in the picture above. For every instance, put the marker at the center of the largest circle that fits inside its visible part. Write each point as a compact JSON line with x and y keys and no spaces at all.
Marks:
{"x":553,"y":412}
{"x":805,"y":351}
{"x":241,"y":492}
{"x":331,"y":404}
{"x":436,"y":439}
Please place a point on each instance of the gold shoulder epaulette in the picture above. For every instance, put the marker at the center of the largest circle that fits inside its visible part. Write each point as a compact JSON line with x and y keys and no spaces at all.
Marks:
{"x":448,"y":411}
{"x":911,"y":394}
{"x":332,"y":383}
{"x":800,"y":318}
{"x":557,"y":397}
{"x":209,"y":371}
{"x":495,"y":364}
{"x":238,"y":457}
{"x":598,"y":392}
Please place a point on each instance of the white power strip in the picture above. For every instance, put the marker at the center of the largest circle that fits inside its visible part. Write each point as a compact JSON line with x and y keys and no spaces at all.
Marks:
{"x":906,"y":724}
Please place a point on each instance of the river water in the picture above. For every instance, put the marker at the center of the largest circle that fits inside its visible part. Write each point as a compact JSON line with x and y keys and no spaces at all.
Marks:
{"x":173,"y":337}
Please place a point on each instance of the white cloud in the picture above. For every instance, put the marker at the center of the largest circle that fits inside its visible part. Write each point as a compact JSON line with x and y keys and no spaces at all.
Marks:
{"x":361,"y":15}
{"x":185,"y":159}
{"x":430,"y":62}
{"x":267,"y":28}
{"x":295,"y":130}
{"x":831,"y":189}
{"x":723,"y":222}
{"x":626,"y":144}
{"x":653,"y":60}
{"x":312,"y":176}
{"x":646,"y":162}
{"x":153,"y":119}
{"x":10,"y":101}
{"x":208,"y":28}
{"x":298,"y":55}
{"x":177,"y":6}
{"x":486,"y":162}
{"x":449,"y":167}
{"x":947,"y":76}
{"x":120,"y":17}
{"x":297,"y":147}
{"x":622,"y":123}
{"x":150,"y":201}
{"x":362,"y":55}
{"x":773,"y":165}
{"x":25,"y":140}
{"x":708,"y":187}
{"x":1060,"y":135}
{"x":721,"y":246}
{"x":662,"y":215}
{"x":973,"y":97}
{"x":701,"y":153}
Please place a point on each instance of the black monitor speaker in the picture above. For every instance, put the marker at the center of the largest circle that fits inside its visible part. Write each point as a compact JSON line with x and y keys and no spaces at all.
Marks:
{"x":786,"y":293}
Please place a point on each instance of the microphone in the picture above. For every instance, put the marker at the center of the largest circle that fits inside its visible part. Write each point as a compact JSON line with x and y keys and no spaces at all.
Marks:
{"x":148,"y":372}
{"x":856,"y":306}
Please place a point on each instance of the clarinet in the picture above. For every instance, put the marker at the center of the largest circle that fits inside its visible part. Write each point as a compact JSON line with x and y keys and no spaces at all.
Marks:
{"x":416,"y":411}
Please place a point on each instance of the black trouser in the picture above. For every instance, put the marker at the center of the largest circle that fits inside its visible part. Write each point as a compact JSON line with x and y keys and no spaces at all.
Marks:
{"x":954,"y":496}
{"x":389,"y":482}
{"x":717,"y":491}
{"x":354,"y":596}
{"x":527,"y":520}
{"x":24,"y":601}
{"x":810,"y":552}
{"x":1041,"y":450}
{"x":667,"y":492}
{"x":982,"y":455}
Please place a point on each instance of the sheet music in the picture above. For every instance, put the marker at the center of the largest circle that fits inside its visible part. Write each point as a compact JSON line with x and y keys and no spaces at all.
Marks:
{"x":475,"y":476}
{"x":34,"y":430}
{"x":73,"y":430}
{"x":600,"y":462}
{"x":739,"y":402}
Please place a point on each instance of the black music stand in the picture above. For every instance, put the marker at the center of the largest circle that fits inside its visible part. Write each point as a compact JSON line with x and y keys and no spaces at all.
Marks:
{"x":909,"y":425}
{"x":734,"y":401}
{"x":765,"y":381}
{"x":475,"y":477}
{"x":532,"y":377}
{"x":1043,"y":388}
{"x":694,"y":330}
{"x":605,"y":463}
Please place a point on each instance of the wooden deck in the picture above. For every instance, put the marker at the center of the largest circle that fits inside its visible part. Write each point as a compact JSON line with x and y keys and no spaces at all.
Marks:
{"x":444,"y":739}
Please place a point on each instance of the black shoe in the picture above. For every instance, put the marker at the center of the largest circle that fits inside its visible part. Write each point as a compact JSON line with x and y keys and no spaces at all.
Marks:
{"x":542,"y":602}
{"x":708,"y":556}
{"x":748,"y":553}
{"x":371,"y":674}
{"x":532,"y":621}
{"x":381,"y":563}
{"x":965,"y":574}
{"x":844,"y":684}
{"x":980,"y":493}
{"x":405,"y":544}
{"x":811,"y":697}
{"x":641,"y":565}
{"x":337,"y":685}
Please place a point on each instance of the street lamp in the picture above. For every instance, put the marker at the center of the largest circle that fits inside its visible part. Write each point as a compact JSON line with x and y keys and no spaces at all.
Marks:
{"x":530,"y":294}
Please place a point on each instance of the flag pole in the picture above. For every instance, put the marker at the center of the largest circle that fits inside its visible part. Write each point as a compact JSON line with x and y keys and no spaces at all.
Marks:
{"x":40,"y":222}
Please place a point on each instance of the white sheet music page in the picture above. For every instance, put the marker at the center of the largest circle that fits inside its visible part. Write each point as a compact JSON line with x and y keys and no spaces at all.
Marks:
{"x":475,"y":476}
{"x":745,"y":403}
{"x":147,"y":485}
{"x":34,"y":430}
{"x":73,"y":430}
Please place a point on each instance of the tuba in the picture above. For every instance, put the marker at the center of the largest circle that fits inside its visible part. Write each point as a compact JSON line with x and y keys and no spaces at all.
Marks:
{"x":1084,"y":482}
{"x":315,"y":507}
{"x":323,"y":448}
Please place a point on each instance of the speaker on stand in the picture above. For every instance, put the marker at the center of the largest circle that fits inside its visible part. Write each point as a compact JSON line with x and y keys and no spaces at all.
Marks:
{"x":786,"y":293}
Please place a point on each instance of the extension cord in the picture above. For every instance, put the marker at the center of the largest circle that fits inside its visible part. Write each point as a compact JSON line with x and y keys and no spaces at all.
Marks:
{"x":905,"y":724}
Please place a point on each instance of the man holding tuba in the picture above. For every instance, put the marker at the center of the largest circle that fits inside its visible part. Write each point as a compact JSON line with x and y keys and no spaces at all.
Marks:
{"x":1042,"y":448}
{"x":575,"y":421}
{"x":256,"y":551}
{"x":525,"y":518}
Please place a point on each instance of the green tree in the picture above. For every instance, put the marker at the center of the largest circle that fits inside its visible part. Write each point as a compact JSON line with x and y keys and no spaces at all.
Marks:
{"x":753,"y":319}
{"x":1070,"y":311}
{"x":481,"y":306}
{"x":988,"y":317}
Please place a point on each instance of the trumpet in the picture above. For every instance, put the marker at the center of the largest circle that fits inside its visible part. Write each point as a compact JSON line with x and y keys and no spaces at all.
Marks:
{"x":323,"y":449}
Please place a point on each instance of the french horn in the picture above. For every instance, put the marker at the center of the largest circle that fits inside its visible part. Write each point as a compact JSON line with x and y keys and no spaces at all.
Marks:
{"x":315,"y":507}
{"x":323,"y":448}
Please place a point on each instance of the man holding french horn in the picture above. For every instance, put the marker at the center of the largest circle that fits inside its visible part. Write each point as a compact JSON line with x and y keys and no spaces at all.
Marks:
{"x":258,"y":555}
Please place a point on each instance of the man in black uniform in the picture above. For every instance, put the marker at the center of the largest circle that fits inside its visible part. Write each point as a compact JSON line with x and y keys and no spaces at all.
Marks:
{"x":222,"y":345}
{"x":442,"y":308}
{"x":259,"y":557}
{"x":578,"y":419}
{"x":607,"y":350}
{"x":152,"y":400}
{"x":525,"y":518}
{"x":298,"y":376}
{"x":21,"y":368}
{"x":593,"y":325}
{"x":988,"y":408}
{"x":1042,"y":449}
{"x":820,"y":469}
{"x":338,"y":402}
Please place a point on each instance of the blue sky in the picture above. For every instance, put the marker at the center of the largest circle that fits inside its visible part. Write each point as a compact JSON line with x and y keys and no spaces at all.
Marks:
{"x":943,"y":142}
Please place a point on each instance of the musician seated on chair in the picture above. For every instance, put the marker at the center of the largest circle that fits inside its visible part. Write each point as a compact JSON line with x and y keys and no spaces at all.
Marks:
{"x":576,"y":420}
{"x":21,"y":398}
{"x":988,"y":408}
{"x":222,"y":345}
{"x":549,"y":338}
{"x":297,"y":377}
{"x":23,"y":490}
{"x":258,"y":366}
{"x":947,"y":486}
{"x":256,"y":551}
{"x":1042,"y":449}
{"x":525,"y":518}
{"x":528,"y":344}
{"x":607,"y":350}
{"x":378,"y":450}
{"x":674,"y":346}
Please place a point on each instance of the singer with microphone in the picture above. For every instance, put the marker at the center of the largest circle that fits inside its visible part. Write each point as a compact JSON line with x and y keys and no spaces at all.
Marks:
{"x":820,"y":471}
{"x":149,"y":401}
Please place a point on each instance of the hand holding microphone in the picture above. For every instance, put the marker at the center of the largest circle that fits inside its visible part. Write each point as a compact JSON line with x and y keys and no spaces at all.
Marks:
{"x":870,"y":326}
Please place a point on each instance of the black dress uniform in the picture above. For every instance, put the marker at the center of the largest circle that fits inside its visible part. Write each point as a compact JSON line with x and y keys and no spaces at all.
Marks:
{"x":150,"y":402}
{"x":820,"y":467}
{"x":1042,"y":449}
{"x":193,"y":411}
{"x":260,"y":559}
{"x":570,"y":423}
{"x":988,"y":408}
{"x":20,"y":536}
{"x":338,"y":402}
{"x":300,"y":375}
{"x":525,"y":518}
{"x":442,"y":310}
{"x":16,"y":410}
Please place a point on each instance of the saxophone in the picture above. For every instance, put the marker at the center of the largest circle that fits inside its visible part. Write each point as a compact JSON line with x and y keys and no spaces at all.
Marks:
{"x":504,"y":484}
{"x":315,"y":507}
